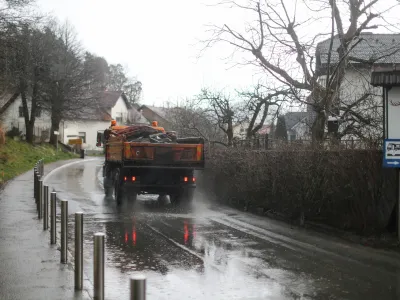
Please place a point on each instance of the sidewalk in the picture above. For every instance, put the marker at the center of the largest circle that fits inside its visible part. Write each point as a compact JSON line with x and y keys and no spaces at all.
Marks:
{"x":30,"y":267}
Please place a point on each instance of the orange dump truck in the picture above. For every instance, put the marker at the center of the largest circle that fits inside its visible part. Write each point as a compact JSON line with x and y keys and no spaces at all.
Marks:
{"x":142,"y":159}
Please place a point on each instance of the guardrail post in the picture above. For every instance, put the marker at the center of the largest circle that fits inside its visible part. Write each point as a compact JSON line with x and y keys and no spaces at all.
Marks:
{"x":53,"y":232}
{"x":40,"y":202}
{"x":64,"y":231}
{"x":98,"y":266}
{"x":79,"y":250}
{"x":138,"y":287}
{"x":45,"y":207}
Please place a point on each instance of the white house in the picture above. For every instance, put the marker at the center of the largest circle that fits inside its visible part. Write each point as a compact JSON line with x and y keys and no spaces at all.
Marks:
{"x":11,"y":115}
{"x":370,"y":50}
{"x":297,"y":126}
{"x":111,"y":105}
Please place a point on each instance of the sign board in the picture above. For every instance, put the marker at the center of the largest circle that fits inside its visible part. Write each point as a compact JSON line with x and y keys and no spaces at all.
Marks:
{"x":56,"y":133}
{"x":393,"y":113}
{"x":391,"y":153}
{"x":75,"y":142}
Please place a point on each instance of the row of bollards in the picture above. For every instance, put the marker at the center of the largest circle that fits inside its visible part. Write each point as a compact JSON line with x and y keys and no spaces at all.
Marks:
{"x":41,"y":195}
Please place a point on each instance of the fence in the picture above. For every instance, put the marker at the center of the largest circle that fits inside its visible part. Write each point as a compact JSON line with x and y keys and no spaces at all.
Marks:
{"x":41,"y":196}
{"x":259,"y":143}
{"x":40,"y":133}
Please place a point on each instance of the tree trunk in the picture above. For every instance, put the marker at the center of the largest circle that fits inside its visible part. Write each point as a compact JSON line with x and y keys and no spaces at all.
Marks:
{"x":229,"y":134}
{"x":30,"y":126}
{"x":55,"y":126}
{"x":318,"y":128}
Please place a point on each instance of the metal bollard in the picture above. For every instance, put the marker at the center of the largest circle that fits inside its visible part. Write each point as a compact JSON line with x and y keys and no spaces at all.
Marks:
{"x":53,"y":232}
{"x":40,"y":202}
{"x":138,"y":287}
{"x":45,"y":207}
{"x":38,"y":177}
{"x":98,"y":268}
{"x":79,"y":250}
{"x":35,"y":174}
{"x":64,"y":229}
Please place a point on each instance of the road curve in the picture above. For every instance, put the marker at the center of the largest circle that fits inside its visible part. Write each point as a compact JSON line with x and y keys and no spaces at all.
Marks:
{"x":215,"y":252}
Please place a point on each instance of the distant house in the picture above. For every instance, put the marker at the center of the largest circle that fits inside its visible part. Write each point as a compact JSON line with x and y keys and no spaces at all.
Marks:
{"x":264,"y":130}
{"x":110,"y":105}
{"x":240,"y":130}
{"x":159,"y":114}
{"x":297,"y":125}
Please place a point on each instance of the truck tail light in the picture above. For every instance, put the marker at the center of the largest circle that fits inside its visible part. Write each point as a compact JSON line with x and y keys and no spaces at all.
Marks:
{"x":185,"y":179}
{"x":125,"y":178}
{"x":133,"y":178}
{"x":194,"y":179}
{"x":198,"y":152}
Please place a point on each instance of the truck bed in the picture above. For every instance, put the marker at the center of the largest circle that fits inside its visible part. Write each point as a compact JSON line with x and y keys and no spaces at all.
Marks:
{"x":182,"y":154}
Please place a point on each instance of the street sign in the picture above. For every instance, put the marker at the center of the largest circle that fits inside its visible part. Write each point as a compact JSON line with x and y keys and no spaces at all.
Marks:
{"x":391,"y":153}
{"x":75,"y":141}
{"x":56,"y":133}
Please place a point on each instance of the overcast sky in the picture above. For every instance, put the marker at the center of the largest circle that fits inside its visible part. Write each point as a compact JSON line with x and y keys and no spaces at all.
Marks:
{"x":158,"y":41}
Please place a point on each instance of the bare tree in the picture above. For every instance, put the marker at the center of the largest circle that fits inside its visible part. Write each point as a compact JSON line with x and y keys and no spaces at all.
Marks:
{"x":14,"y":12}
{"x":192,"y":119}
{"x":279,"y":45}
{"x":24,"y":65}
{"x":119,"y":81}
{"x":223,"y":110}
{"x":260,"y":103}
{"x":72,"y":89}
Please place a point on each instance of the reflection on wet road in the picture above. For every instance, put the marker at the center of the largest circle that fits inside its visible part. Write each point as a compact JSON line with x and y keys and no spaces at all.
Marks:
{"x":215,"y":253}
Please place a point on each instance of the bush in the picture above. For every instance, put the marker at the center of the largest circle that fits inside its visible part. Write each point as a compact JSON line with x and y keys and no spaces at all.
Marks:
{"x":347,"y":189}
{"x":14,"y":132}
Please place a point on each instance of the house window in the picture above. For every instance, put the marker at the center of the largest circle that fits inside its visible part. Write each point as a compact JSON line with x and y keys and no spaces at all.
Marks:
{"x":119,"y":118}
{"x":38,"y":112}
{"x":82,"y":135}
{"x":292,"y":137}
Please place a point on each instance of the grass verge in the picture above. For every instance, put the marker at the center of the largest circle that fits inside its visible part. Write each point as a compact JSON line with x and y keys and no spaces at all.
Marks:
{"x":18,"y":157}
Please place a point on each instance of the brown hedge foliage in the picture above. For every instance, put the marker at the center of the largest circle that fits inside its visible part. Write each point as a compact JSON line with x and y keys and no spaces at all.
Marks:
{"x":347,"y":189}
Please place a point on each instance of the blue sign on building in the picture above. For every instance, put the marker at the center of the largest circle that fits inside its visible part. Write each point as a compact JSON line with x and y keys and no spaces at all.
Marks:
{"x":391,"y":153}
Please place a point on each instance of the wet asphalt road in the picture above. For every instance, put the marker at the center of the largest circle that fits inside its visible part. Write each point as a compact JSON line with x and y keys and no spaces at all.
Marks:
{"x":215,"y":252}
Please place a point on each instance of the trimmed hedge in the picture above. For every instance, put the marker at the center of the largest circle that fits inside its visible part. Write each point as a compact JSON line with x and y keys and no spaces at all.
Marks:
{"x":347,"y":189}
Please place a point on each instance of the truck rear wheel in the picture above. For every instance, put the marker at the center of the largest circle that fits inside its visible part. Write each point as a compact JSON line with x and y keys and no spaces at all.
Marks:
{"x":108,"y":186}
{"x":183,"y":198}
{"x":117,"y":188}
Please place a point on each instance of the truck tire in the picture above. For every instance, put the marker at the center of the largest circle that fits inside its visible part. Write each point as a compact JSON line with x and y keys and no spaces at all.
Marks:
{"x":131,"y":196}
{"x":183,"y":198}
{"x":117,"y":188}
{"x":108,"y":186}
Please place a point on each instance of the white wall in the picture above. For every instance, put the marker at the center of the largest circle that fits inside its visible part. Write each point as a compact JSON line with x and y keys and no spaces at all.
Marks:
{"x":355,"y":84}
{"x":119,"y":110}
{"x":11,"y":118}
{"x":71,"y":130}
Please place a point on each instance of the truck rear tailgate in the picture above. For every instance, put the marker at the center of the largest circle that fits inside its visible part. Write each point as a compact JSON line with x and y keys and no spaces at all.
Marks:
{"x":179,"y":155}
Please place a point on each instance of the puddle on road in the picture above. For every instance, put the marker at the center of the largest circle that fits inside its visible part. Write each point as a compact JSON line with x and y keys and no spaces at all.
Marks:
{"x":183,"y":263}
